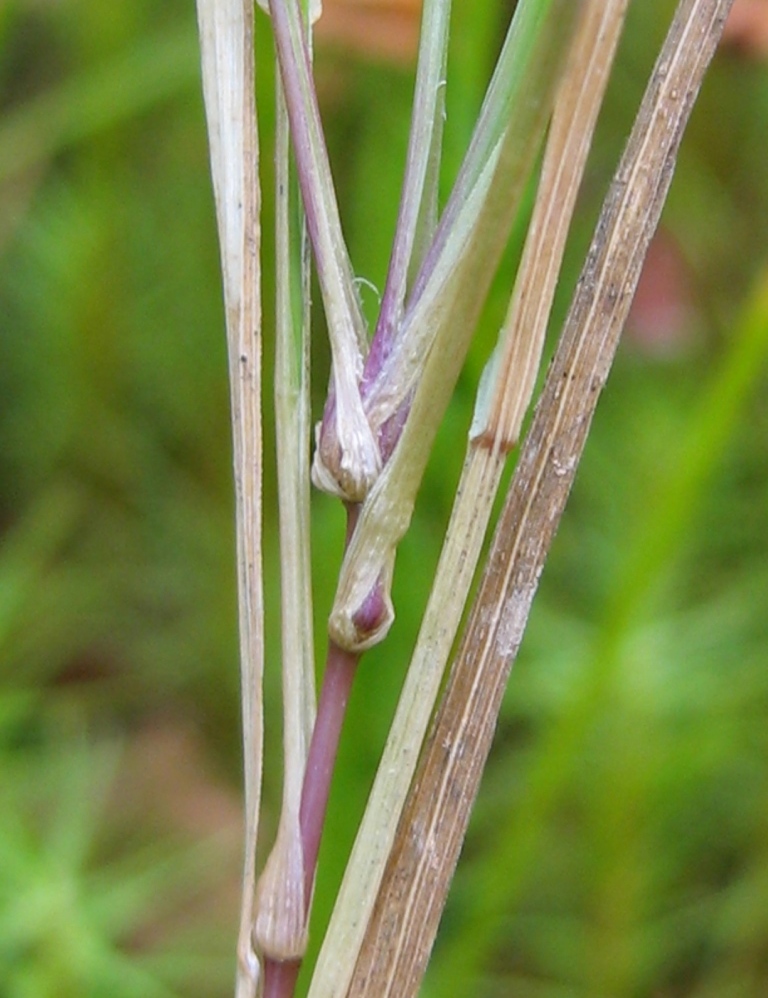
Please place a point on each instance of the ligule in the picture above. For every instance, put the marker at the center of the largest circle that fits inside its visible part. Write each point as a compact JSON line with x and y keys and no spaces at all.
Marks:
{"x":347,"y":459}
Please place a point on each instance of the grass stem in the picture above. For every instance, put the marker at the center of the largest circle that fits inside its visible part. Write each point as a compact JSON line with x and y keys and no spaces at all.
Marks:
{"x":579,"y":98}
{"x":226,"y":41}
{"x":340,"y":669}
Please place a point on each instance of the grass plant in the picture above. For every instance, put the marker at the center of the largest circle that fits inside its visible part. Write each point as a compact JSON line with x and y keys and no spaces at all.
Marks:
{"x":617,"y":845}
{"x":379,"y":423}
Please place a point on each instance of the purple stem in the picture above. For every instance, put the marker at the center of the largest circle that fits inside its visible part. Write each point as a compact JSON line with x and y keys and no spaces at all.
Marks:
{"x":340,"y":668}
{"x":337,"y":683}
{"x":280,"y":978}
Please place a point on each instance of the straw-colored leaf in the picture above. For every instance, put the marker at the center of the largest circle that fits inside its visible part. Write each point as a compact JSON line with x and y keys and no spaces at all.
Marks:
{"x":226,"y":41}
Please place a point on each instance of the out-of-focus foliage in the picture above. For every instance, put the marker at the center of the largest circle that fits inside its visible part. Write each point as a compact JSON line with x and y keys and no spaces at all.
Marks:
{"x":620,"y":846}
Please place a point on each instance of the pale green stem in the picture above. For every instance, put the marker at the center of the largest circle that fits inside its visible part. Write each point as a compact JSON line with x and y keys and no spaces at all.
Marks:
{"x":226,"y":42}
{"x":426,"y":223}
{"x":313,"y":10}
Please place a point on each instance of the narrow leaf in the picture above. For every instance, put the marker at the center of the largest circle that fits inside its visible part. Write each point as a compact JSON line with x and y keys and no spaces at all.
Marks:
{"x":226,"y":41}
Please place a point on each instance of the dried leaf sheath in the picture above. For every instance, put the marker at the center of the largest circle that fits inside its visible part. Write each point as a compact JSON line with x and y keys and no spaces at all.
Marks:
{"x":410,"y":903}
{"x":226,"y":41}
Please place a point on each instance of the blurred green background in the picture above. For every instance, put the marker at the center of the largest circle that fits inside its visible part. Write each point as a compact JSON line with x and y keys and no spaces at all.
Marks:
{"x":620,"y":843}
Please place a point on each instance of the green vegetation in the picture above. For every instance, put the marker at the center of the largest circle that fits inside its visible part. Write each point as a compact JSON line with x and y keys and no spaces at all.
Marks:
{"x":620,"y":845}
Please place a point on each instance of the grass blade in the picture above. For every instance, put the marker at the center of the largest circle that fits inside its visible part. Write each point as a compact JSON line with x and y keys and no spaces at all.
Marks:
{"x":226,"y":41}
